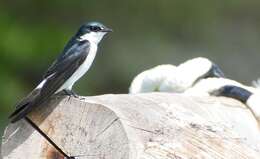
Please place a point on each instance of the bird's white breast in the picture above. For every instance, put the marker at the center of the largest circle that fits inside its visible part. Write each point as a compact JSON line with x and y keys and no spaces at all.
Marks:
{"x":82,"y":69}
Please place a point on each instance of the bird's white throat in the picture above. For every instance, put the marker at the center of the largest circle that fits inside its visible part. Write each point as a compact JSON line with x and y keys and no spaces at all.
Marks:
{"x":93,"y":37}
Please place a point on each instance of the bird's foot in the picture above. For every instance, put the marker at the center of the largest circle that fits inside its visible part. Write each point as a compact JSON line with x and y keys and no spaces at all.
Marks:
{"x":70,"y":93}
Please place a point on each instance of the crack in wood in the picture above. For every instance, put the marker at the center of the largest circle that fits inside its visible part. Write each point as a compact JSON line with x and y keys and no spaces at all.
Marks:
{"x":150,"y":131}
{"x":108,"y":126}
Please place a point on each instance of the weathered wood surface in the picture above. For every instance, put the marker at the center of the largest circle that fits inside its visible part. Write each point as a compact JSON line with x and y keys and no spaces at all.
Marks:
{"x":144,"y":126}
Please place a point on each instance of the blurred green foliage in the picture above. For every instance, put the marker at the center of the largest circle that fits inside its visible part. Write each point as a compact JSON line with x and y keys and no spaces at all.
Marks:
{"x":146,"y":33}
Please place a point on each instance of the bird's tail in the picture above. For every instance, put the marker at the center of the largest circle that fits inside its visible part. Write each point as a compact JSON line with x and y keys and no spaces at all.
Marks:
{"x":24,"y":106}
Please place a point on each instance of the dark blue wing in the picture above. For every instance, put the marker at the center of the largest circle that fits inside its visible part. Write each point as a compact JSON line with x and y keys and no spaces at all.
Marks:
{"x":57,"y":74}
{"x":71,"y":55}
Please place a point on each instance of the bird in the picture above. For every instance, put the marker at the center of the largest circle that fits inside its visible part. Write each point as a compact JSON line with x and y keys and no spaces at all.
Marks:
{"x":71,"y":64}
{"x":176,"y":79}
{"x":224,"y":87}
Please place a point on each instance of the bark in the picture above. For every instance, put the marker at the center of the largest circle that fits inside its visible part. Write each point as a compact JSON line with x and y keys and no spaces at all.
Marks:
{"x":144,"y":126}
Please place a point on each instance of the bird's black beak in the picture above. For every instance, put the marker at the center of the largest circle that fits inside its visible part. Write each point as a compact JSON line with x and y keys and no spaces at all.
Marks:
{"x":215,"y":71}
{"x":106,"y":30}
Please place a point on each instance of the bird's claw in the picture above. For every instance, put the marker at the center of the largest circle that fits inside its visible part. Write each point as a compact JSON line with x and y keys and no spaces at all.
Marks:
{"x":71,"y":93}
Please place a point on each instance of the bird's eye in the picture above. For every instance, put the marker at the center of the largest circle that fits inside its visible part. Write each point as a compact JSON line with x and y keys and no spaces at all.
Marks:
{"x":95,"y":28}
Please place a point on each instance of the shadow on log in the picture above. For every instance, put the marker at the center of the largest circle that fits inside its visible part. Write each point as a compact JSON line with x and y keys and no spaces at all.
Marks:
{"x":144,"y":126}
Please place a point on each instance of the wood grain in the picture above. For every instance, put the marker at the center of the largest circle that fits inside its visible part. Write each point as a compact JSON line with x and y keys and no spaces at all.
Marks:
{"x":143,"y":126}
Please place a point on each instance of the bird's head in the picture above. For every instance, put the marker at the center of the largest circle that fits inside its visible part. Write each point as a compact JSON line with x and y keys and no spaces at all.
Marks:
{"x":199,"y":68}
{"x":93,"y":32}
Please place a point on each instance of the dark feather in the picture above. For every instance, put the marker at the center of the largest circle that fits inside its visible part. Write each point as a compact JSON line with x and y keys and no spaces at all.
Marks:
{"x":56,"y":75}
{"x":24,"y":106}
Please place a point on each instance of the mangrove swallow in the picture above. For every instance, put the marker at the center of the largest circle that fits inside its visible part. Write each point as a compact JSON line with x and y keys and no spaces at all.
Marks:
{"x":74,"y":61}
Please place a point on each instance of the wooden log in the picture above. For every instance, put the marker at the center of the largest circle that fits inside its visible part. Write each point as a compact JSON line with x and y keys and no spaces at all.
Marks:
{"x":144,"y":126}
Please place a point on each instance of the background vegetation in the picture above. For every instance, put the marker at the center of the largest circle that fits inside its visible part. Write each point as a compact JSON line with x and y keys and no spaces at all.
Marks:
{"x":146,"y":33}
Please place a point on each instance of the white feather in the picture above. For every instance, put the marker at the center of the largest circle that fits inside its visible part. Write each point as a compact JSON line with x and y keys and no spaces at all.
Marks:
{"x":189,"y":71}
{"x":44,"y":81}
{"x":205,"y":86}
{"x":185,"y":75}
{"x":256,"y":83}
{"x":41,"y":84}
{"x":254,"y":104}
{"x":81,"y":70}
{"x":165,"y":79}
{"x":150,"y":80}
{"x":94,"y":38}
